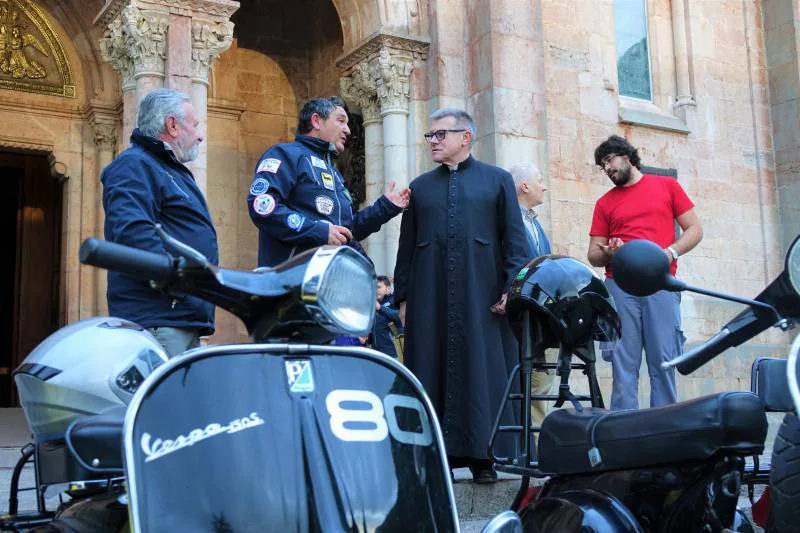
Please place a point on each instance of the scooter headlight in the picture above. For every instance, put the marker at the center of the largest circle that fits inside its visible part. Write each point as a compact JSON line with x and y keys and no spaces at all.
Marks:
{"x":339,"y":287}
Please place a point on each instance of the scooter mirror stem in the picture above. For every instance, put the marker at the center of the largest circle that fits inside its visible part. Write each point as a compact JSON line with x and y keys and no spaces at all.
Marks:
{"x":723,"y":296}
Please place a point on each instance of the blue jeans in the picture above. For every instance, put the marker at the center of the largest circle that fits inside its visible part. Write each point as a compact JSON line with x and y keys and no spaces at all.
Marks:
{"x":652,"y":323}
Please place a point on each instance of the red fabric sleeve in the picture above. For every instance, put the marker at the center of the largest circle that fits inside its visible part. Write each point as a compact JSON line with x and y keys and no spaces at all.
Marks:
{"x":600,"y":226}
{"x":680,"y":201}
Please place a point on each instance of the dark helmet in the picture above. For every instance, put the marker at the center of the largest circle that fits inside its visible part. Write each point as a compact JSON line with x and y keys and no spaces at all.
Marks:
{"x":567,"y":297}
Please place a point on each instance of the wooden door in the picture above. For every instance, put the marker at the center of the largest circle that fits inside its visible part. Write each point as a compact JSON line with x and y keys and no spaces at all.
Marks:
{"x":30,"y":205}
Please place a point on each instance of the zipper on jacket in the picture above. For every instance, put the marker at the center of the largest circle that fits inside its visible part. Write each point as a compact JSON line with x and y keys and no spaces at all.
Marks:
{"x":335,"y":181}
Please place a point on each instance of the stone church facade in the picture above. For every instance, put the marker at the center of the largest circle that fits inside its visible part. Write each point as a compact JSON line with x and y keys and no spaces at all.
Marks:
{"x":707,"y":89}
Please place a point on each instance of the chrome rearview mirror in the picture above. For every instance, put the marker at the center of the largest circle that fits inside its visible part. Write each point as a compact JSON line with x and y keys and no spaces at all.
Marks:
{"x":641,"y":268}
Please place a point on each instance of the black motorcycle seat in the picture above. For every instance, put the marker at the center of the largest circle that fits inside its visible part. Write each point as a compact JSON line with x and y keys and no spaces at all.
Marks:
{"x":693,"y":430}
{"x":96,"y":441}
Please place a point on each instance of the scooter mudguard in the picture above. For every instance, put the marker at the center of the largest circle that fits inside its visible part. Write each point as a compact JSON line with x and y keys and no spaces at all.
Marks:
{"x":578,"y":511}
{"x":297,"y":438}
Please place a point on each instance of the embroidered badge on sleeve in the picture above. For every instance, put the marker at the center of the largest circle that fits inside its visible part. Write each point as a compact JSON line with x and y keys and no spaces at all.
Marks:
{"x":295,"y":221}
{"x":269,"y":165}
{"x":259,"y":186}
{"x":264,"y":204}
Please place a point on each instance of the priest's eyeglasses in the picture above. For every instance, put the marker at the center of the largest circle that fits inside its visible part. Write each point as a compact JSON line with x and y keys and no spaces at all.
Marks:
{"x":439,"y":134}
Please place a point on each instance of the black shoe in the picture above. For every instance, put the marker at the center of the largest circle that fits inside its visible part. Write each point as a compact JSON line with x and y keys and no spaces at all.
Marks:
{"x":483,"y":475}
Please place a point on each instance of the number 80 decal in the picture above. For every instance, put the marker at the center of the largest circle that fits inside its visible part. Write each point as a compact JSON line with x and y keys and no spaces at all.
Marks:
{"x":380,"y":418}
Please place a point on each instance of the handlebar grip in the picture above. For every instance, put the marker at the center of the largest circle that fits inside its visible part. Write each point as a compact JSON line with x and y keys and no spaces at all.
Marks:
{"x":700,"y":355}
{"x":137,"y":263}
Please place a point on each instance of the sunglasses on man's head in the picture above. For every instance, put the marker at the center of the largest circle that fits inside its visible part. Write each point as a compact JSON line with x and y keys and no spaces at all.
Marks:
{"x":439,"y":134}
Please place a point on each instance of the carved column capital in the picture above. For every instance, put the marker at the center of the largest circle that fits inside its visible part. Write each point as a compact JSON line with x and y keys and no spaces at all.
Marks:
{"x":391,"y":73}
{"x":135,"y":43}
{"x":209,"y":40}
{"x":114,"y":49}
{"x":105,"y":135}
{"x":360,"y":88}
{"x":104,"y":118}
{"x":388,"y":60}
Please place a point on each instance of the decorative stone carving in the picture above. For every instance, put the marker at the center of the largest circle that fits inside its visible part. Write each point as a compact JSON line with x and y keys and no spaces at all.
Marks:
{"x":417,"y":49}
{"x":105,"y":134}
{"x":359,"y":87}
{"x":392,"y":74}
{"x":135,"y":43}
{"x":114,"y":49}
{"x":222,"y":9}
{"x":23,"y":143}
{"x":379,"y":70}
{"x":209,"y":40}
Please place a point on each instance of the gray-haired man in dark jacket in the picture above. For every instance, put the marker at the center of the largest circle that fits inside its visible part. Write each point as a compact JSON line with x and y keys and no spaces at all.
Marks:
{"x":149,"y":184}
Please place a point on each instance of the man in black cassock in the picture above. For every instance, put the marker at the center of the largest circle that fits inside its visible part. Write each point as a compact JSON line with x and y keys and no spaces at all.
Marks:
{"x":462,"y":241}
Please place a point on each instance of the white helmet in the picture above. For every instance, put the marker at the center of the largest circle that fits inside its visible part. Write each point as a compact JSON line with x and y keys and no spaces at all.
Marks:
{"x":82,"y":369}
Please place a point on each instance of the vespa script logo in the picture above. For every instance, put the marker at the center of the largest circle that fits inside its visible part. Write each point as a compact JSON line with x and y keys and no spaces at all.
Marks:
{"x":159,"y":448}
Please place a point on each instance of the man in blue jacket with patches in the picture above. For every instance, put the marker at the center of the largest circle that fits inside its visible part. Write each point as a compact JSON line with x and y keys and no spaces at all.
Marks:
{"x":298,"y":199}
{"x":149,"y":184}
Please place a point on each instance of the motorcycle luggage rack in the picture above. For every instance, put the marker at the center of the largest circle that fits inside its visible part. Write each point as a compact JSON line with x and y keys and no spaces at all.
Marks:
{"x":531,"y":355}
{"x":14,"y":520}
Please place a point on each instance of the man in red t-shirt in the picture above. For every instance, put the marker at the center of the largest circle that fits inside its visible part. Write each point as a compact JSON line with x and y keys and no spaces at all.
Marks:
{"x":641,"y":206}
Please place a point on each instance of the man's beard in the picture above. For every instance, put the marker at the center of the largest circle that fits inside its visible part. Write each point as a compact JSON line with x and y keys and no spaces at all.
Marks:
{"x":622,"y":176}
{"x":185,"y":155}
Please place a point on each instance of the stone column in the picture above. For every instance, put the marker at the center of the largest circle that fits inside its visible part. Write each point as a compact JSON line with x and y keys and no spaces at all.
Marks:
{"x":114,"y":49}
{"x":104,"y":125}
{"x":135,"y":43}
{"x":359,"y":89}
{"x":685,"y":103}
{"x":377,"y":75}
{"x":391,"y":73}
{"x":150,"y":41}
{"x":209,"y":40}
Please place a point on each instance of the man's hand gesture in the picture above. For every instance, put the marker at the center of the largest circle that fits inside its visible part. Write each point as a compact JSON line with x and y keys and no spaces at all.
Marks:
{"x":400,"y":199}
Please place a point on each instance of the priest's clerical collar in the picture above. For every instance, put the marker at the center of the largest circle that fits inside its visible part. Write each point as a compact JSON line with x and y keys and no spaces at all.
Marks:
{"x":462,"y":165}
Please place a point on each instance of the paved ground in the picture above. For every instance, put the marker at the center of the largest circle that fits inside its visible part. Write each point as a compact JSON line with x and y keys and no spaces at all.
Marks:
{"x":476,"y":503}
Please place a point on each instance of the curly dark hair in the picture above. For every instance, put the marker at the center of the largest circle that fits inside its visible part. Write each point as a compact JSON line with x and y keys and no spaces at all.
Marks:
{"x":617,"y":145}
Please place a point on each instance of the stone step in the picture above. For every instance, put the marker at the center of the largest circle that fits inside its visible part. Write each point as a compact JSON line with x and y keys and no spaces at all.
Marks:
{"x":479,"y":503}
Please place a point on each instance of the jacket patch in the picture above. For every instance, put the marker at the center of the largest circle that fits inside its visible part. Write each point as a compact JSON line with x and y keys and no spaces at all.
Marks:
{"x":259,"y":186}
{"x":264,"y":204}
{"x":324,"y":204}
{"x":327,"y":180}
{"x":295,"y":221}
{"x":319,"y":163}
{"x":269,"y":165}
